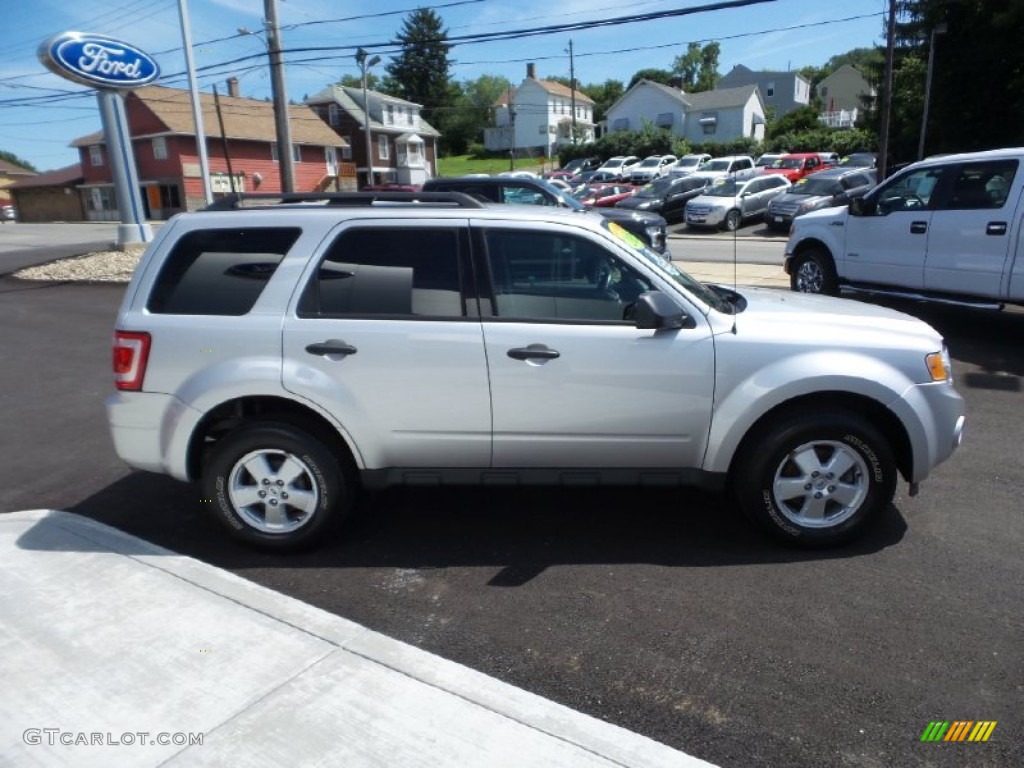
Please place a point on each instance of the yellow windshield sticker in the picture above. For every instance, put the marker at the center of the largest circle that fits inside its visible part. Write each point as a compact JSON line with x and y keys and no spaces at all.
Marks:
{"x":625,"y":235}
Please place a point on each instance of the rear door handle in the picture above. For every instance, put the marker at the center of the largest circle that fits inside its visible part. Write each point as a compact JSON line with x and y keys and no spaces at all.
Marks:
{"x":534,"y":352}
{"x":996,"y":228}
{"x":918,"y":227}
{"x":331,"y":347}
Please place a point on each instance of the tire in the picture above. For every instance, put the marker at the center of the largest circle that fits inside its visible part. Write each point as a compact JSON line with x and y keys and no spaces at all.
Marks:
{"x":814,"y":272}
{"x":785,"y":482}
{"x":290,"y":465}
{"x":733,"y":221}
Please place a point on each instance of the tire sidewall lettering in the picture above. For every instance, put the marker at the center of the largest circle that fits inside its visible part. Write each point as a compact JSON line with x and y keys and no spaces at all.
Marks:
{"x":868,"y":453}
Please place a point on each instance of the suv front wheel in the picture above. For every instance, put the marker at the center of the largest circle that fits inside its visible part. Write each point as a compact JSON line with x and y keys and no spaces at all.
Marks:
{"x":276,"y":485}
{"x":813,"y":272}
{"x":816,"y":480}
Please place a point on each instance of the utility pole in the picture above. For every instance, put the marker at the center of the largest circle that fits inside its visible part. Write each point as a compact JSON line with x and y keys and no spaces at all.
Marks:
{"x":883,"y":140}
{"x":512,"y":131}
{"x":281,"y":116}
{"x":572,"y":91}
{"x":938,"y":29}
{"x":224,"y":140}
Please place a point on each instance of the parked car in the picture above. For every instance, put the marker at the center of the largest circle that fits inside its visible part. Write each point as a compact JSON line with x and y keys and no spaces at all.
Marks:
{"x":945,"y":228}
{"x":651,"y":168}
{"x":620,"y":165}
{"x":581,"y":164}
{"x":795,"y":166}
{"x":603,"y":195}
{"x":767,"y":159}
{"x":604,"y":177}
{"x":667,"y":196}
{"x":832,"y":186}
{"x":391,"y":186}
{"x":7,"y":213}
{"x":728,"y":203}
{"x":860,"y":160}
{"x":436,"y":340}
{"x":581,"y":178}
{"x":561,"y":173}
{"x":829,"y":159}
{"x":688,"y":164}
{"x":730,"y":166}
{"x":650,"y":228}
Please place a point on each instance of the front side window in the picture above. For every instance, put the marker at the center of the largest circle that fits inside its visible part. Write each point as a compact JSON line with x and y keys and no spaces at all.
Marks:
{"x":395,"y":272}
{"x":556,"y":277}
{"x":910,"y":192}
{"x":219,"y":271}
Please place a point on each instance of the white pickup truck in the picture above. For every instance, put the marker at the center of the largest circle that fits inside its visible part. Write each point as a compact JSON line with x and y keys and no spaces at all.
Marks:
{"x":946,"y":228}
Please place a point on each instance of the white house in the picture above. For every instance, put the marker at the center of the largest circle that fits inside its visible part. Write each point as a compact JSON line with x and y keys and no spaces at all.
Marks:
{"x":842,"y":95}
{"x":719,"y":115}
{"x":540,"y":115}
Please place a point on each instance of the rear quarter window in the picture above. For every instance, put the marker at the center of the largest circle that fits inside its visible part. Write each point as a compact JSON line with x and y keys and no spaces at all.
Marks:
{"x":219,"y":271}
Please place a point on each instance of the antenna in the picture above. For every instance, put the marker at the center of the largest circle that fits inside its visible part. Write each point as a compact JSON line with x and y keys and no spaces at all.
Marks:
{"x":735,"y":258}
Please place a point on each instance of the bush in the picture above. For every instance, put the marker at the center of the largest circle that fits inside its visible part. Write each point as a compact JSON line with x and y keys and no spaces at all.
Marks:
{"x":478,"y":150}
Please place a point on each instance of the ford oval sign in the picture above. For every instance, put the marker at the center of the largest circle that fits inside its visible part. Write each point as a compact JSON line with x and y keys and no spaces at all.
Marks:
{"x":99,"y":61}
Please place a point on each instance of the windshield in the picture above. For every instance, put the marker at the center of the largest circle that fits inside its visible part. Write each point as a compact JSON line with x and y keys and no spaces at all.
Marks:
{"x":726,"y":189}
{"x":689,"y":162}
{"x":816,"y":186}
{"x":651,"y":162}
{"x":670,"y":270}
{"x":561,"y":194}
{"x":717,"y":165}
{"x":789,"y":162}
{"x":615,"y":162}
{"x":656,"y":188}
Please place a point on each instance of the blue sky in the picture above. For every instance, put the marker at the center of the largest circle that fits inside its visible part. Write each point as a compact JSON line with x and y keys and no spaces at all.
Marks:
{"x":775,"y":34}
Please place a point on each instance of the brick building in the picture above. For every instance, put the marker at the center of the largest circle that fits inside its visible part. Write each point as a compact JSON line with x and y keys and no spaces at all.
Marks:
{"x":50,"y":196}
{"x":166,"y":155}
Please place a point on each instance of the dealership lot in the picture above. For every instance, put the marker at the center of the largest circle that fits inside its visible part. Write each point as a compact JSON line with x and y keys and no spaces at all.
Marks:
{"x":659,"y":611}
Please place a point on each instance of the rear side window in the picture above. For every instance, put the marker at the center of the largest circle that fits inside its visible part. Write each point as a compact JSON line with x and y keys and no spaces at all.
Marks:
{"x":979,"y":185}
{"x":388,"y":271}
{"x":219,"y":271}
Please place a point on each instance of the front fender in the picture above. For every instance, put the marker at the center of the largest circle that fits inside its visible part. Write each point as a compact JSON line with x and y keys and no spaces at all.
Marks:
{"x":740,"y":405}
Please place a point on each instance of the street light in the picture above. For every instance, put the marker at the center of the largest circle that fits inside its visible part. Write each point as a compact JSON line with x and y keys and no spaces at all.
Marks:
{"x":938,"y":29}
{"x":363,"y":66}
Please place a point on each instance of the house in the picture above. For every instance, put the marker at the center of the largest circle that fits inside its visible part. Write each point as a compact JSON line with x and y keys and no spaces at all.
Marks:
{"x":166,"y":153}
{"x":50,"y":196}
{"x":720,"y":115}
{"x":539,"y":116}
{"x":842,"y":95}
{"x":403,"y":145}
{"x":10,"y":173}
{"x":783,"y":91}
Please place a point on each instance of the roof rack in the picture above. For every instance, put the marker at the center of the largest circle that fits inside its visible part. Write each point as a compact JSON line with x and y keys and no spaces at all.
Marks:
{"x":238,"y":200}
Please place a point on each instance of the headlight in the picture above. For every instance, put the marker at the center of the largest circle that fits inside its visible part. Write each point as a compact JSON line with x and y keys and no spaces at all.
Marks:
{"x":805,"y":207}
{"x":718,"y":209}
{"x":643,"y":206}
{"x":939,"y":365}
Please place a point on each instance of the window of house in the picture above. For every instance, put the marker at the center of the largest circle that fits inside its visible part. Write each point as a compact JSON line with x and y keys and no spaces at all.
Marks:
{"x":824,"y":91}
{"x":664,"y":120}
{"x":559,"y":278}
{"x":770,"y":89}
{"x":219,"y":271}
{"x":346,"y":151}
{"x":96,"y":154}
{"x":391,"y":114}
{"x":296,"y":153}
{"x":621,"y":124}
{"x":388,"y":271}
{"x":160,"y":148}
{"x":170,"y":197}
{"x":382,"y":148}
{"x":333,"y":115}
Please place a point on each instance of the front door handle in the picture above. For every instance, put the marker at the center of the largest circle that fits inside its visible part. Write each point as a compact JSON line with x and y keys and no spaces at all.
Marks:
{"x":996,"y":228}
{"x":534,"y":352}
{"x":918,"y":227}
{"x":331,"y":347}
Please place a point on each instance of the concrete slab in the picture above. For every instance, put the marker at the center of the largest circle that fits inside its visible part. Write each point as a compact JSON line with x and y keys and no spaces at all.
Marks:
{"x":117,"y":652}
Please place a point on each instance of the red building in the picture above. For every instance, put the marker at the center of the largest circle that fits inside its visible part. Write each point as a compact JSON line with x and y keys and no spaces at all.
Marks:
{"x":166,"y":155}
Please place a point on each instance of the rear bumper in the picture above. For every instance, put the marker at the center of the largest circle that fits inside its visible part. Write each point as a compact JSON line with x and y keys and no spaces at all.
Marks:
{"x":151,"y":431}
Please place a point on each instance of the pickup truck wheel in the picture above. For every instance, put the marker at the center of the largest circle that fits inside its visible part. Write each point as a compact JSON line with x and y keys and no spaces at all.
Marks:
{"x":816,"y":480}
{"x":733,"y":219}
{"x":813,"y":272}
{"x":277,"y":486}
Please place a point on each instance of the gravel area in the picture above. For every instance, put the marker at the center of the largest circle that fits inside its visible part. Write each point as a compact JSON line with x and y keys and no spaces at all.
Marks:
{"x":101,"y":266}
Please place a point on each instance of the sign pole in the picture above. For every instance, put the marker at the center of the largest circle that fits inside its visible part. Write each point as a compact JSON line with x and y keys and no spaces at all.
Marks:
{"x":133,"y":227}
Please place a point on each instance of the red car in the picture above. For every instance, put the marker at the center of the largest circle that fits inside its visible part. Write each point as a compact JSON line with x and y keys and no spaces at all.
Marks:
{"x":797,"y":165}
{"x":604,"y":195}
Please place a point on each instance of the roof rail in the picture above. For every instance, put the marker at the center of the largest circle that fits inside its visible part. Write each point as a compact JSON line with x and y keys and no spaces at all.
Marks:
{"x":238,"y":200}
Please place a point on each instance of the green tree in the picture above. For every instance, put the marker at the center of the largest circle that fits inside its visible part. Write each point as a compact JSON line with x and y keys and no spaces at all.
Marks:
{"x":10,"y":157}
{"x":698,"y":67}
{"x":470,"y":113}
{"x":604,"y":95}
{"x":662,"y":76}
{"x":802,"y":119}
{"x":373,"y":82}
{"x":420,"y":73}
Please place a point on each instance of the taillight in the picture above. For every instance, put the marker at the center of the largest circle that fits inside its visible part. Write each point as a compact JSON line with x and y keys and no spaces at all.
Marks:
{"x":131,"y":352}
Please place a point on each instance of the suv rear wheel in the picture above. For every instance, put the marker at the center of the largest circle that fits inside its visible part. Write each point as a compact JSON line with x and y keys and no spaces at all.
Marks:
{"x":816,"y":480}
{"x":277,"y":485}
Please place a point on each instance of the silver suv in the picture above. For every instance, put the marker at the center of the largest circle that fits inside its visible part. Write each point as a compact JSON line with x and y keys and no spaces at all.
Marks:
{"x":287,"y":355}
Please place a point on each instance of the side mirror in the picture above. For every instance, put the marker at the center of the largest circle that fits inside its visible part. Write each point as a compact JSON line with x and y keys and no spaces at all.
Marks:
{"x":860,"y":206}
{"x":656,"y":311}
